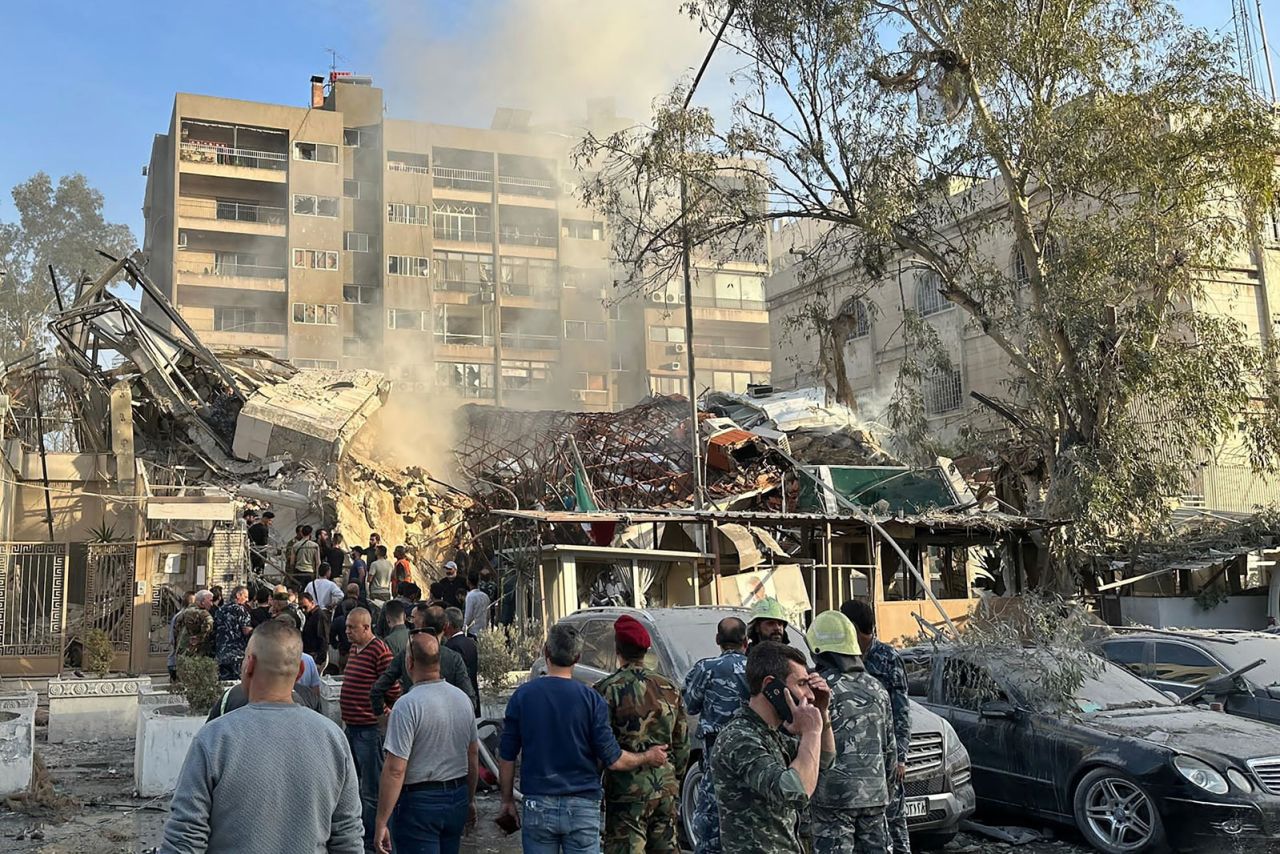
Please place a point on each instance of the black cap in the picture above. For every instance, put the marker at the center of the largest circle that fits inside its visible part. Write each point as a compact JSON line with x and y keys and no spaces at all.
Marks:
{"x":268,"y":515}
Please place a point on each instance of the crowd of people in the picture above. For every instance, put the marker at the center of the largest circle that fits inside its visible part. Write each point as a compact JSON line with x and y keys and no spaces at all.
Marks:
{"x":793,"y":759}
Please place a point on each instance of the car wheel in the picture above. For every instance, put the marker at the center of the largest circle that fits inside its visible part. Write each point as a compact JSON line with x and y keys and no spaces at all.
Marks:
{"x":1116,"y":815}
{"x":689,"y":800}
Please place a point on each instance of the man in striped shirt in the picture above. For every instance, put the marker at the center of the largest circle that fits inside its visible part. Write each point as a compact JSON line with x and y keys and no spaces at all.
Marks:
{"x":369,"y":658}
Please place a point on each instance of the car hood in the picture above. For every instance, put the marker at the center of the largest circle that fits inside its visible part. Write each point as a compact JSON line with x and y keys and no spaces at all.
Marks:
{"x":923,"y":720}
{"x":1187,"y":728}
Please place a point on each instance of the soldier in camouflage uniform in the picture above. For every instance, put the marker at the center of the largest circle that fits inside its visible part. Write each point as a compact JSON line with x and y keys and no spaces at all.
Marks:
{"x":714,"y":689}
{"x":884,"y":663}
{"x":645,"y":709}
{"x":848,"y":806}
{"x":193,"y":627}
{"x":764,"y":776}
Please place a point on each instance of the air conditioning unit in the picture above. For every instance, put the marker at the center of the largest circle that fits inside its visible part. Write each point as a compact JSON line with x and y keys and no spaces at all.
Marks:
{"x":658,"y":297}
{"x":677,"y":348}
{"x":674,"y":366}
{"x":487,"y":296}
{"x":673,"y":298}
{"x":579,"y":394}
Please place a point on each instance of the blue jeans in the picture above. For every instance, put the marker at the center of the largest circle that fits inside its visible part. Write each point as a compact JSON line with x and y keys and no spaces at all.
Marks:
{"x":366,"y":750}
{"x":430,"y":821}
{"x":560,"y":825}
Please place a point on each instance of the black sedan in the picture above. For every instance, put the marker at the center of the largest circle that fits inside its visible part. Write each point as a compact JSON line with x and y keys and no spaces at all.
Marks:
{"x":1132,"y":769}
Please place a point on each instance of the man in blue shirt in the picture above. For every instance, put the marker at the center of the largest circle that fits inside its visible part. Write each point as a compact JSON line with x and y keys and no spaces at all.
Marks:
{"x":560,"y":729}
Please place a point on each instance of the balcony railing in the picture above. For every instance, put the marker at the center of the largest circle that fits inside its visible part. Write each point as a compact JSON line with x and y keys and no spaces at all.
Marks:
{"x":520,"y":341}
{"x":731,"y":351}
{"x":241,"y":212}
{"x":227,"y":268}
{"x":397,"y":166}
{"x":730,"y":302}
{"x":463,"y":287}
{"x":203,"y":152}
{"x":464,"y":340}
{"x":463,"y":235}
{"x":462,"y":179}
{"x":516,"y":237}
{"x":519,"y":186}
{"x":259,"y":327}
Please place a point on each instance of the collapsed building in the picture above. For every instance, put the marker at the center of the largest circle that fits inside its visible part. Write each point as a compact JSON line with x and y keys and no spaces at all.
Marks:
{"x":130,"y":450}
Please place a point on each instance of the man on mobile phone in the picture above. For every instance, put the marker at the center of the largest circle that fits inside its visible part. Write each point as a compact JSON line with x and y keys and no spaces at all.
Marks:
{"x":763,"y":780}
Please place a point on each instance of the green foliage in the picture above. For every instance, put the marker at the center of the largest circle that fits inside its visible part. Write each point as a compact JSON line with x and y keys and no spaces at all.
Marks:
{"x":502,"y":650}
{"x":198,"y":675}
{"x":98,"y":653}
{"x":104,"y":533}
{"x":60,"y":225}
{"x":1115,"y":145}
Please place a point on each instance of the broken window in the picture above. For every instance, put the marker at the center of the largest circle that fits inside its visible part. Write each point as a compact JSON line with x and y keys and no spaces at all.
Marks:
{"x":317,"y":152}
{"x":587,"y":381}
{"x":355,"y":241}
{"x":968,"y":686}
{"x":408,"y":265}
{"x":308,"y":205}
{"x":668,"y":385}
{"x":466,"y":378}
{"x":315,"y":259}
{"x":406,"y":214}
{"x":919,"y":676}
{"x":361,"y":294}
{"x":400,"y":318}
{"x":582,"y":229}
{"x":351,"y":137}
{"x":527,"y":276}
{"x":315,"y":314}
{"x":405,"y":161}
{"x":463,"y":268}
{"x":519,"y":375}
{"x":1181,"y":663}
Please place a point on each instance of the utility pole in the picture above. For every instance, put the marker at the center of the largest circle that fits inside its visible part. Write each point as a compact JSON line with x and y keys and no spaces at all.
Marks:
{"x":1266,"y":51}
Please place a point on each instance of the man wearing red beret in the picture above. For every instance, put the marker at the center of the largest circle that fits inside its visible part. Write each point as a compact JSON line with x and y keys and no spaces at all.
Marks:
{"x":645,"y":709}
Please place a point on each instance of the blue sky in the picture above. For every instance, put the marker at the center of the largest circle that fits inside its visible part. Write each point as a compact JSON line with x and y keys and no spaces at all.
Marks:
{"x":91,"y":83}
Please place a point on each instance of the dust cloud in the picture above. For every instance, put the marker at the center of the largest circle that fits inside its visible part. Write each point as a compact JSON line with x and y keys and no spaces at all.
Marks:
{"x":546,"y":56}
{"x":413,"y":430}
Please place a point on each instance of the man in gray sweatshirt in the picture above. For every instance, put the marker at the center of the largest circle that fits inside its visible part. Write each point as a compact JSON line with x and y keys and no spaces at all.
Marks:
{"x":273,"y":766}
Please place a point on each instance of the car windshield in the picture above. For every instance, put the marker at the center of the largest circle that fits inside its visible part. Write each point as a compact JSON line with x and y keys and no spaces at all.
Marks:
{"x":1089,"y":684}
{"x":1246,"y":651}
{"x":690,"y":637}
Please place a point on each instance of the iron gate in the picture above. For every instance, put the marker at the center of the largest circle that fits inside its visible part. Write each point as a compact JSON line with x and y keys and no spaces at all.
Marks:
{"x":109,"y":583}
{"x":32,"y":600}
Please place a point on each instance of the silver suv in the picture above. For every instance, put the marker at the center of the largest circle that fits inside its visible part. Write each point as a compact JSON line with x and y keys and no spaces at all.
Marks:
{"x":939,"y":793}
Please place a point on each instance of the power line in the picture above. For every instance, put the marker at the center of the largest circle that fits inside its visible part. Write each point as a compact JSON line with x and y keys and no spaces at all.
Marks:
{"x":706,"y":60}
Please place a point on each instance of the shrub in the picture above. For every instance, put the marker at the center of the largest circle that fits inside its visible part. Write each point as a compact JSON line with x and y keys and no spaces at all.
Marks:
{"x":199,"y":675}
{"x":98,"y":653}
{"x":502,"y":650}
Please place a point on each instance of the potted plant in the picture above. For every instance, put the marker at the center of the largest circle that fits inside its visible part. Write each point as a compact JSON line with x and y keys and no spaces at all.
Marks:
{"x":94,"y":703}
{"x":166,"y":730}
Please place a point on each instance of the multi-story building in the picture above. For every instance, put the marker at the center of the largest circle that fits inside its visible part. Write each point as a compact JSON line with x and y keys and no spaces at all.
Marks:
{"x":875,"y":345}
{"x":455,"y":259}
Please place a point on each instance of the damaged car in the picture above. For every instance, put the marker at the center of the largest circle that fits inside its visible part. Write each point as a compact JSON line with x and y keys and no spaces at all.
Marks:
{"x":1099,"y":748}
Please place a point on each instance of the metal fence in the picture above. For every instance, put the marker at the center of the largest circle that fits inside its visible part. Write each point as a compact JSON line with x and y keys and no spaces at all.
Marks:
{"x":109,"y":584}
{"x":32,"y":599}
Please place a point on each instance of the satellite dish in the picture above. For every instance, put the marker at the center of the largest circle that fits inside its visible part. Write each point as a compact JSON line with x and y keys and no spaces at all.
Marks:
{"x":940,"y":97}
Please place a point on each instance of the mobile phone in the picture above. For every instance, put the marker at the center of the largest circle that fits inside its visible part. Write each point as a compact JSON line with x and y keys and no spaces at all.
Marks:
{"x":775,"y":693}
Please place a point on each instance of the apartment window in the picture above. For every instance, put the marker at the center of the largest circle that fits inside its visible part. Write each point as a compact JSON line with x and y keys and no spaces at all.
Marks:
{"x":351,"y":137}
{"x":315,"y":314}
{"x":588,"y":381}
{"x":582,"y":229}
{"x":855,"y":310}
{"x":315,"y":259}
{"x":400,"y":318}
{"x":734,"y":381}
{"x":322,"y":364}
{"x":407,"y":214}
{"x":407,"y":265}
{"x":668,"y":385}
{"x":585,"y":330}
{"x":616,"y":363}
{"x":929,"y":298}
{"x":355,"y":241}
{"x":354,"y":189}
{"x":307,"y":205}
{"x":942,"y":392}
{"x":316,"y":152}
{"x":519,"y":374}
{"x":467,"y":378}
{"x":454,"y":221}
{"x":471,"y":268}
{"x":522,"y":276}
{"x":361,"y":294}
{"x":234,"y":318}
{"x":667,"y":334}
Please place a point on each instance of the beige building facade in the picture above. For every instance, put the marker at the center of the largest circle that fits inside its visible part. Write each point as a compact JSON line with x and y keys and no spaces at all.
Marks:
{"x":457,"y":260}
{"x":873,"y":353}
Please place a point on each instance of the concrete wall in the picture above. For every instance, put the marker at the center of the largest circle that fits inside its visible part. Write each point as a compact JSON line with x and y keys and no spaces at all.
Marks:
{"x":1236,"y":612}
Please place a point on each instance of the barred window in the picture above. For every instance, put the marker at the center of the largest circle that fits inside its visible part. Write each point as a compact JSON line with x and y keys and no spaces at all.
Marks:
{"x":856,"y":309}
{"x":942,"y":392}
{"x":929,"y":298}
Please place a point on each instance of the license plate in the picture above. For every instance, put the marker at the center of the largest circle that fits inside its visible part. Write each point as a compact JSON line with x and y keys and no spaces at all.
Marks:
{"x":916,"y":808}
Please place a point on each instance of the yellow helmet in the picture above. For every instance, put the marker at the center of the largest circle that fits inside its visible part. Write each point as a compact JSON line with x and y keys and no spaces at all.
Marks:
{"x":831,"y":631}
{"x":768,"y":609}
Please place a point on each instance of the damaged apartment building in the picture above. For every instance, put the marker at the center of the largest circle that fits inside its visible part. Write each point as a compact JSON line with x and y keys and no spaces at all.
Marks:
{"x":457,"y":260}
{"x":130,"y":448}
